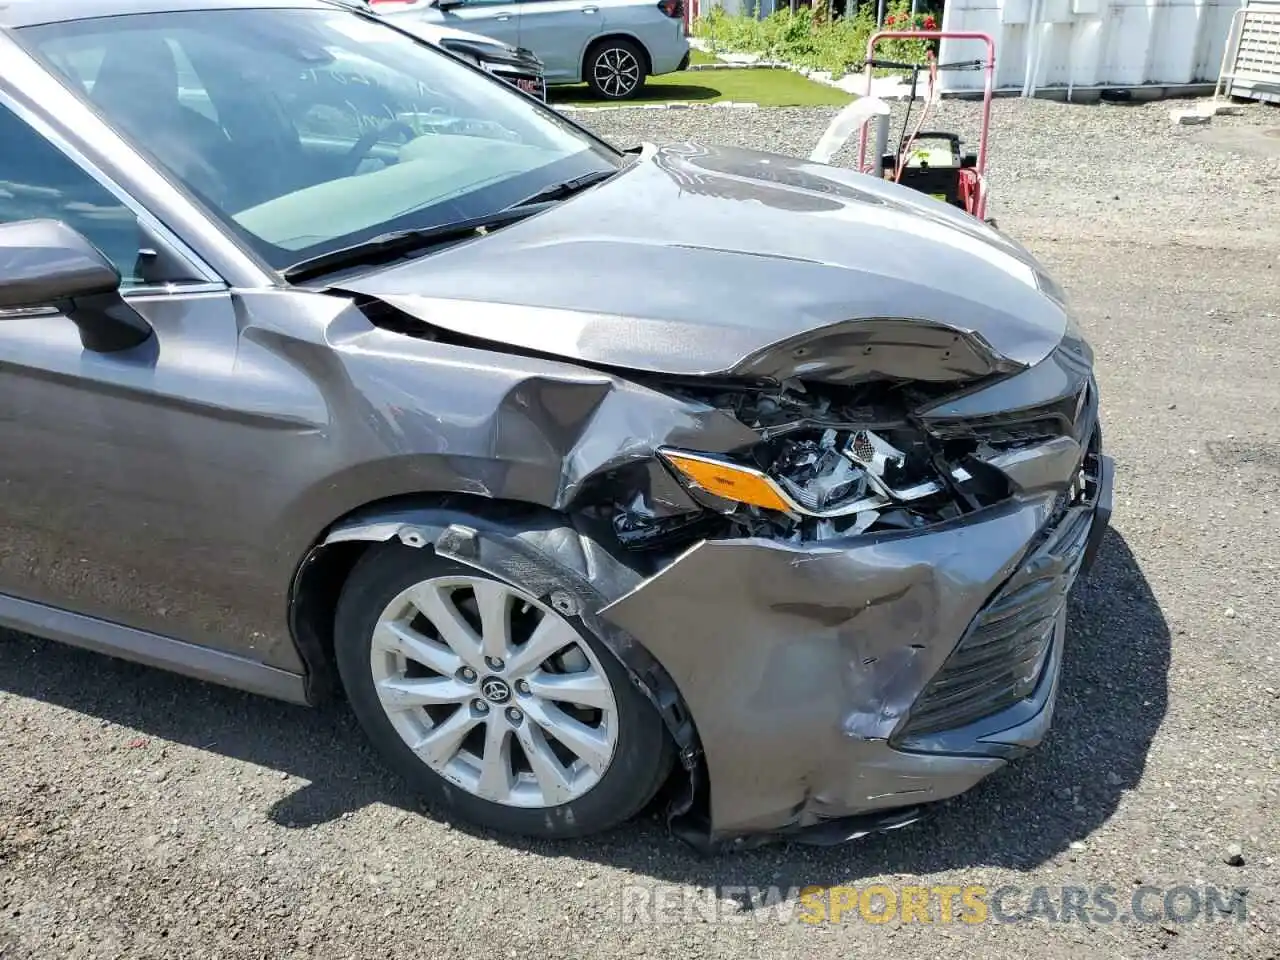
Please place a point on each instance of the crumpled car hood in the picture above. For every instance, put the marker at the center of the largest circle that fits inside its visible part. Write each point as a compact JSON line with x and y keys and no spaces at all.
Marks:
{"x":699,"y":260}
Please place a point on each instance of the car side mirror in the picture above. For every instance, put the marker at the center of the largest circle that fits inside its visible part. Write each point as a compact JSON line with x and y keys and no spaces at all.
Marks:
{"x":447,"y":5}
{"x":44,"y":263}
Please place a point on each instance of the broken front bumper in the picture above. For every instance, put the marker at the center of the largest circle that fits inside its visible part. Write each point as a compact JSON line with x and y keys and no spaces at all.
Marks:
{"x":842,"y":678}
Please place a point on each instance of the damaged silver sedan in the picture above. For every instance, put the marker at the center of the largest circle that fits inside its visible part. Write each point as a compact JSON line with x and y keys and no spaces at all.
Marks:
{"x":331,"y":364}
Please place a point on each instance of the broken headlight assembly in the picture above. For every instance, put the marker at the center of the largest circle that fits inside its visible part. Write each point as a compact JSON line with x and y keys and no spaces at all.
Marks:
{"x":846,"y":461}
{"x":820,"y":483}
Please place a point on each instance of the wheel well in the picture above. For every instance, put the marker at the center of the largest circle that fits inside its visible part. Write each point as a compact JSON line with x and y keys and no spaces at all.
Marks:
{"x":646,"y":60}
{"x":318,"y":581}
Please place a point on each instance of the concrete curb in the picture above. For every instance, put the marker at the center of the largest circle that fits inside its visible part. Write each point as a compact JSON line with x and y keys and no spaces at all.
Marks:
{"x":721,"y":105}
{"x":758,"y":65}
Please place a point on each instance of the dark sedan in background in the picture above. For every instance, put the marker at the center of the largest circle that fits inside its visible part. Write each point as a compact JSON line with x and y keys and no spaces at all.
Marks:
{"x":329,"y":363}
{"x":519,"y":66}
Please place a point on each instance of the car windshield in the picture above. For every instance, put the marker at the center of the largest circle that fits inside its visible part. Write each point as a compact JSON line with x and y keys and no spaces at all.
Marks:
{"x":307,"y":130}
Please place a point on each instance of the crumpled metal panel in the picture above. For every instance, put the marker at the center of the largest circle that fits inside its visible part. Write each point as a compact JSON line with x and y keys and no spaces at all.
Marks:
{"x":417,"y":415}
{"x":288,"y":410}
{"x":606,"y":279}
{"x":808,"y":657}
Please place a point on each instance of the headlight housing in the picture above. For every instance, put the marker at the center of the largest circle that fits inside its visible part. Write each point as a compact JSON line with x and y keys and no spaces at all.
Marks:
{"x":820,"y":473}
{"x":731,"y":481}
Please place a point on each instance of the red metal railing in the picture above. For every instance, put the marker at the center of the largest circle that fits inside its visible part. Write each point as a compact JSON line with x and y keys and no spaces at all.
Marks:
{"x":988,"y":84}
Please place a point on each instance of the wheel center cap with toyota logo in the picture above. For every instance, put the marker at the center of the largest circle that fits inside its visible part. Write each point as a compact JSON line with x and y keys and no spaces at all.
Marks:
{"x":495,"y":690}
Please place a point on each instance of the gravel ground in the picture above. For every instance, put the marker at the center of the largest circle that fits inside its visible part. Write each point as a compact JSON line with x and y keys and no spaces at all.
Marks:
{"x":143,"y":815}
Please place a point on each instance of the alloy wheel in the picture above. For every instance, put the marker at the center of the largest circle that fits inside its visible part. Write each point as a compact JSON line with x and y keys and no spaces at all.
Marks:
{"x":494,"y":691}
{"x":617,"y":72}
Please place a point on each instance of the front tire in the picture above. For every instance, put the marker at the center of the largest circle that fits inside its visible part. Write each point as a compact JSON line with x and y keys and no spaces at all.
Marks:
{"x":500,"y":710}
{"x":615,"y":69}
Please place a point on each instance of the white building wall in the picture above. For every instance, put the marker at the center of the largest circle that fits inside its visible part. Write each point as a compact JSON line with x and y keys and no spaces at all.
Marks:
{"x":1089,"y":43}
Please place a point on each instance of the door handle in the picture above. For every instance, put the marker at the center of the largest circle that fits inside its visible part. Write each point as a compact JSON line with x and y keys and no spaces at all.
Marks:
{"x":503,"y":16}
{"x":590,"y":10}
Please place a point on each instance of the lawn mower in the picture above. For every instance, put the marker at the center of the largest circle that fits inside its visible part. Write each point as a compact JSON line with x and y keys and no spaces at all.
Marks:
{"x":931,"y":161}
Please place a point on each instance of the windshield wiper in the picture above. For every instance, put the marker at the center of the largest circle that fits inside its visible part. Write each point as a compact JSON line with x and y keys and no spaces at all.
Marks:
{"x":389,"y":245}
{"x":565,"y":188}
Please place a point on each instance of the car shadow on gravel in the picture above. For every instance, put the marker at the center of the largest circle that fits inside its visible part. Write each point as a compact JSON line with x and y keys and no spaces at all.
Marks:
{"x":1113,"y":697}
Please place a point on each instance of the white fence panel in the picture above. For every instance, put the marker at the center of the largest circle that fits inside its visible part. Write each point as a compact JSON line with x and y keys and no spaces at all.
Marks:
{"x":1084,"y":44}
{"x":1251,"y":65}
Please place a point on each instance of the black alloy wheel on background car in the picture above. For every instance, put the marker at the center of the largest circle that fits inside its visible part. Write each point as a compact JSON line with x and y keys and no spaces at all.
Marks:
{"x":615,"y":69}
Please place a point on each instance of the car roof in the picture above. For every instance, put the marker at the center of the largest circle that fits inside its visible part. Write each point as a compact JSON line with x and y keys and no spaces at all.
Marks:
{"x":25,"y":13}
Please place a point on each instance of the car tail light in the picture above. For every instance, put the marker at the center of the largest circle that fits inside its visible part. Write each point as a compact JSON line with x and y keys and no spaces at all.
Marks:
{"x":672,"y":8}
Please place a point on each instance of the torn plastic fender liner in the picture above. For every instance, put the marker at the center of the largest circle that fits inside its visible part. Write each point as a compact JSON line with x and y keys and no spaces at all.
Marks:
{"x":541,"y":553}
{"x":798,"y":662}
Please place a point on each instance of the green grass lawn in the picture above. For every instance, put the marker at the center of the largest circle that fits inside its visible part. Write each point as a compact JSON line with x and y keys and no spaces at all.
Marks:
{"x":769,"y":88}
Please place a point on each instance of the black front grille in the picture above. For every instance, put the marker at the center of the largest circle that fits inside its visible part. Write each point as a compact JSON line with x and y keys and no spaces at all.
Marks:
{"x":1057,"y":418}
{"x":1072,"y":414}
{"x":999,"y":660}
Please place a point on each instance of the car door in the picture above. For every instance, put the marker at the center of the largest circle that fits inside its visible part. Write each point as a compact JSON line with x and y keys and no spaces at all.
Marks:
{"x":496,"y":19}
{"x":117,"y":469}
{"x":559,"y":31}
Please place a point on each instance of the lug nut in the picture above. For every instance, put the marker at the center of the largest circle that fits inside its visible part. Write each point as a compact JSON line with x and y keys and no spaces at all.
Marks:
{"x":467,"y":675}
{"x":494,"y":663}
{"x":514,"y":715}
{"x":480,"y":706}
{"x":522,"y":687}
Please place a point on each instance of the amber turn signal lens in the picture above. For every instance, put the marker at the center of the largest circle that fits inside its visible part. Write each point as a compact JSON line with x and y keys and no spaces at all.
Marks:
{"x":728,"y":480}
